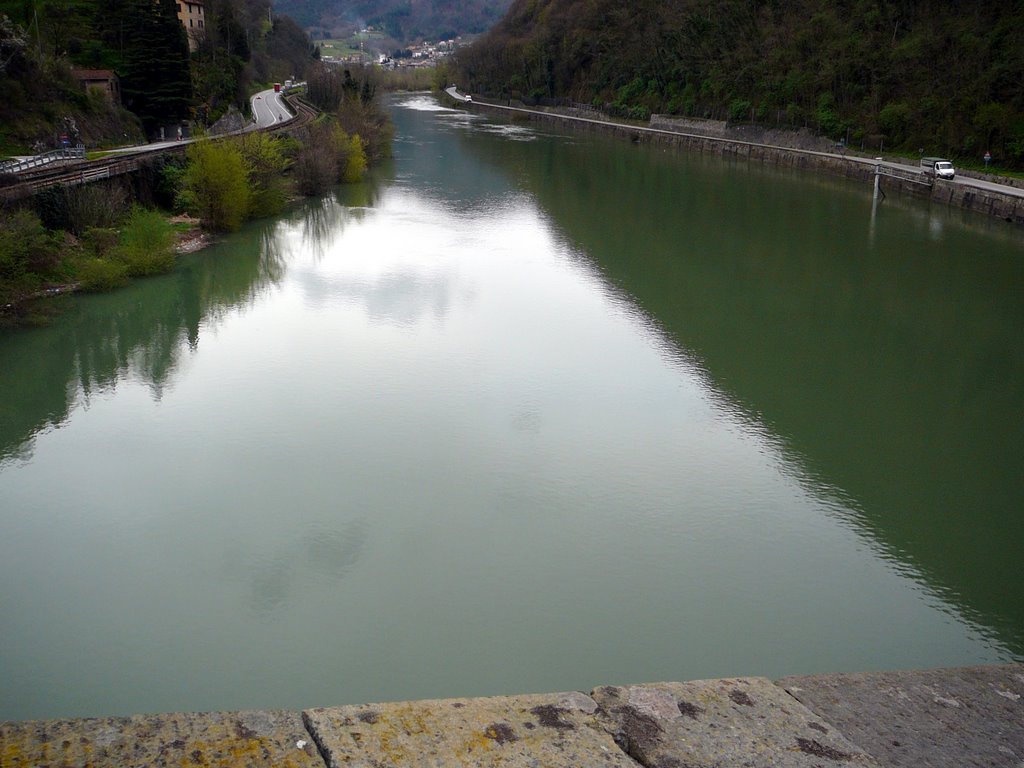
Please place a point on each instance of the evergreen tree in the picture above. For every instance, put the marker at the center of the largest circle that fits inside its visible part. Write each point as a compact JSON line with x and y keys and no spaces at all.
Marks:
{"x":156,"y":84}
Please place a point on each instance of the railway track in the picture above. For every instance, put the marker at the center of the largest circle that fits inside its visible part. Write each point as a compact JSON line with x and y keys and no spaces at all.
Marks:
{"x":89,"y":171}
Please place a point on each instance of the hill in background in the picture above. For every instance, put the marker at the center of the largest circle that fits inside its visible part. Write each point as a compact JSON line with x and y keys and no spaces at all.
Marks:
{"x":404,"y":21}
{"x":915,"y":74}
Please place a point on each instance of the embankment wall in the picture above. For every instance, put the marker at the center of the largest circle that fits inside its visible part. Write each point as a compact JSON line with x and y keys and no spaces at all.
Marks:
{"x":944,"y":718}
{"x":1009,"y":207}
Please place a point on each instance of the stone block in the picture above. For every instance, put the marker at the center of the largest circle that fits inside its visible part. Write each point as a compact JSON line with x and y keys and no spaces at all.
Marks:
{"x":535,"y":731}
{"x":215,"y":739}
{"x":934,"y":718}
{"x":717,"y":723}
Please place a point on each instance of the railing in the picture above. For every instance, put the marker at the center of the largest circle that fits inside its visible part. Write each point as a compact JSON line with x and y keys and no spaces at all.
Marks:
{"x":82,"y":174}
{"x":66,"y":153}
{"x":904,"y":174}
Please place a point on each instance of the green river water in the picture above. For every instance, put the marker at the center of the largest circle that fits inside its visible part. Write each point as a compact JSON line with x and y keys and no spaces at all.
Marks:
{"x":525,"y":412}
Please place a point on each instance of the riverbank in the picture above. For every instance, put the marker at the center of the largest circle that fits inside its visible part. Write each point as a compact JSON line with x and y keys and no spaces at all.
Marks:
{"x":961,"y":717}
{"x":980,"y":196}
{"x":28,"y":309}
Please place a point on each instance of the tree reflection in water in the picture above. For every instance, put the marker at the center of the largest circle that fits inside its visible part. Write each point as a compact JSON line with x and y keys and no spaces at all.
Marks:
{"x":140,"y":332}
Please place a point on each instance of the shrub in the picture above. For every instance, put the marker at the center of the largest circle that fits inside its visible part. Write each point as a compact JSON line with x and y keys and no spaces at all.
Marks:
{"x":828,"y":117}
{"x":355,"y":163}
{"x":94,"y":205}
{"x":264,"y":164}
{"x":27,"y":250}
{"x":95,"y":274}
{"x":217,"y":183}
{"x":146,"y":245}
{"x":371,"y":124}
{"x":316,"y":163}
{"x":739,"y":111}
{"x":170,"y":183}
{"x":99,"y":241}
{"x":328,"y":156}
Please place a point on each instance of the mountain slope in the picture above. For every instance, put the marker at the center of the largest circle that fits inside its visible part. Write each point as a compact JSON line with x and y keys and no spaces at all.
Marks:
{"x":914,"y":73}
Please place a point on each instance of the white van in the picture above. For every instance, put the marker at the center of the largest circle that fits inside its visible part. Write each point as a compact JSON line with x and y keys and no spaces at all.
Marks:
{"x":938,"y":167}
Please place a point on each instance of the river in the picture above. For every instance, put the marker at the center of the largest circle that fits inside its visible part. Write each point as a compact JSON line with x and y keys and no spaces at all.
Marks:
{"x":524,"y":412}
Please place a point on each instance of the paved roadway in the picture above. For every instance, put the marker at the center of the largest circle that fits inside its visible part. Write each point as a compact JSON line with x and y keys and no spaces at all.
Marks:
{"x":454,"y":93}
{"x":269,"y":108}
{"x":963,"y":181}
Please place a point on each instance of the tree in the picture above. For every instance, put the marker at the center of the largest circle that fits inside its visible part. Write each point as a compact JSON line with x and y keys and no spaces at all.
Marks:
{"x":216,"y":182}
{"x":156,"y":82}
{"x":264,"y":165}
{"x":12,"y":42}
{"x":219,"y":70}
{"x":291,"y":46}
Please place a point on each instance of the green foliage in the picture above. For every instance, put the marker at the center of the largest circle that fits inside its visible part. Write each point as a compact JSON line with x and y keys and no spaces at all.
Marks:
{"x":96,"y":274}
{"x":894,"y":120}
{"x":328,"y":156}
{"x":739,"y":110}
{"x":331,"y":89}
{"x":156,"y":82}
{"x":143,"y":246}
{"x":324,"y":155}
{"x":943,"y":76}
{"x":145,"y":44}
{"x":359,"y":113}
{"x":146,"y":244}
{"x":990,"y":120}
{"x":828,"y":118}
{"x":265,"y":164}
{"x":94,"y":205}
{"x":355,"y":161}
{"x":1015,"y":144}
{"x":99,"y":241}
{"x":169,"y":181}
{"x":217,"y":182}
{"x":41,"y":100}
{"x":28,"y":253}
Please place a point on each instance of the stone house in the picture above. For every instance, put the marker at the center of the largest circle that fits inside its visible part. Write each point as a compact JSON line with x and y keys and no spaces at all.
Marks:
{"x":104,"y":80}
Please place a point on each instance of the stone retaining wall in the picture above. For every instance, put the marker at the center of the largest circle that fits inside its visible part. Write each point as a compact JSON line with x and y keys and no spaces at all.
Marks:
{"x":1004,"y":206}
{"x":940,"y":718}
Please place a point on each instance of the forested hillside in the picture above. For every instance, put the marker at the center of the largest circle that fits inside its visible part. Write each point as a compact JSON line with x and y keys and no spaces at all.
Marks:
{"x":403,"y":20}
{"x":913,"y":74}
{"x":144,"y":43}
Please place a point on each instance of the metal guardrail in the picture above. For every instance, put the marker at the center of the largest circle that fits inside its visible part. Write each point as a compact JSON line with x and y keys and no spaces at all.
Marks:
{"x":904,"y":174}
{"x":81,"y":175}
{"x":66,"y":153}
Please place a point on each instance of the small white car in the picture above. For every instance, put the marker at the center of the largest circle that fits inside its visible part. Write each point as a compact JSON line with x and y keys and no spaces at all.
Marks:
{"x":945,"y":170}
{"x":468,"y":97}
